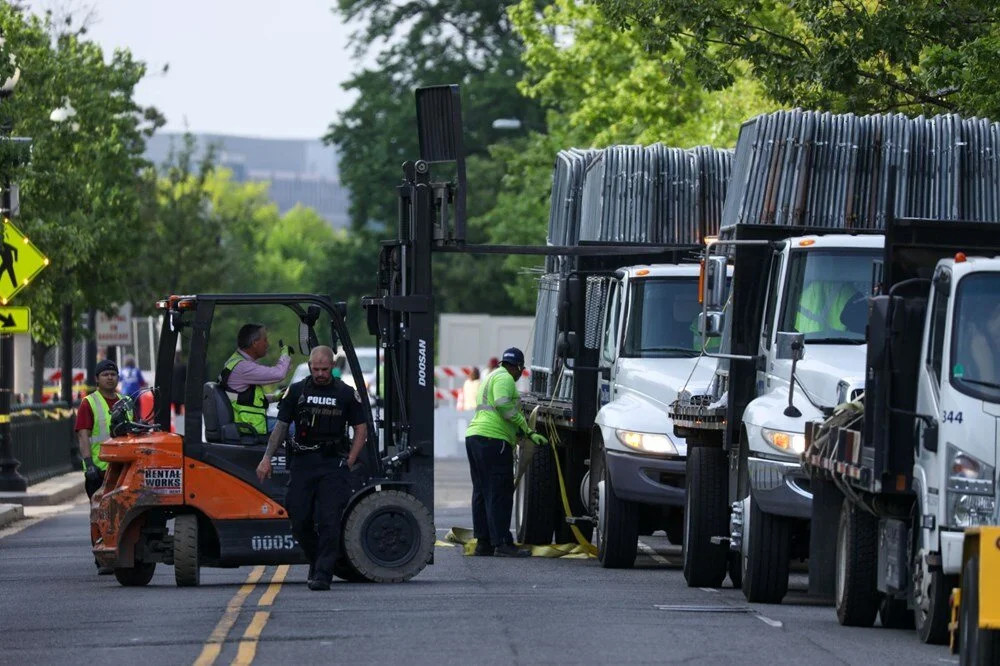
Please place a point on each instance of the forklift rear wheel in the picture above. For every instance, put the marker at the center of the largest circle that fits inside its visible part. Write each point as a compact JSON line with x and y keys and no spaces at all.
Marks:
{"x":187,"y":564}
{"x":135,"y":576}
{"x":389,"y":536}
{"x":855,"y":573}
{"x":706,"y":514}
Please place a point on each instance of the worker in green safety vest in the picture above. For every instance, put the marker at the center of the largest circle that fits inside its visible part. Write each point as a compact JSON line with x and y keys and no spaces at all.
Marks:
{"x":822,"y":305}
{"x":242,"y":377}
{"x":93,"y":424}
{"x":489,"y":442}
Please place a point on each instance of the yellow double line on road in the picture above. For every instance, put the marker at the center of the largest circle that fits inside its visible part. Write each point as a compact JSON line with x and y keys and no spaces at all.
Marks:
{"x":248,"y":643}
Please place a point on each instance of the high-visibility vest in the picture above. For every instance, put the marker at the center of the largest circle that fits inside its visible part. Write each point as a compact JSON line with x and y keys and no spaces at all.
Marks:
{"x":498,"y":413}
{"x":821,"y":305}
{"x":250,"y":404}
{"x":102,"y":427}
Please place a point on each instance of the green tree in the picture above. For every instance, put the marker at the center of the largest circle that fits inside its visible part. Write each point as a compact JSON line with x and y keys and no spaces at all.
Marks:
{"x":858,"y":56}
{"x":80,"y":191}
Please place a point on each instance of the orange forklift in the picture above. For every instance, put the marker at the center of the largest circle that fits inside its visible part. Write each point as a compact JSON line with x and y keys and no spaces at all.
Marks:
{"x":203,"y":483}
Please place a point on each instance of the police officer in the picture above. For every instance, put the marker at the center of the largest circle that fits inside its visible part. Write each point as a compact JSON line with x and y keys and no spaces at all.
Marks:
{"x":489,"y":442}
{"x":320,"y":460}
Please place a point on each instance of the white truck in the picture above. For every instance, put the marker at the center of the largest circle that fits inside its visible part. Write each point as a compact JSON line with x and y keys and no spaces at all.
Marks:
{"x":914,"y":462}
{"x":745,"y":484}
{"x":641,"y":344}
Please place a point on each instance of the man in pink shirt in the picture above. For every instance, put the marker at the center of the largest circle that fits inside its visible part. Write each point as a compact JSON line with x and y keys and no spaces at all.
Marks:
{"x":242,"y":377}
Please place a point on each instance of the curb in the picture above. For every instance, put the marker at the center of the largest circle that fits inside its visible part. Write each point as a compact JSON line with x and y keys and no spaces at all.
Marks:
{"x":57,"y":490}
{"x":10,"y":513}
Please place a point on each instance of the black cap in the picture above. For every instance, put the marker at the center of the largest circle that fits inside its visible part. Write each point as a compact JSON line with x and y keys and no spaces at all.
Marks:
{"x":514,"y":356}
{"x":104,"y":366}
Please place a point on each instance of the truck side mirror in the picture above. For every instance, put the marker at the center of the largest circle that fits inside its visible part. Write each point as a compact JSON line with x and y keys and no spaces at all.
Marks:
{"x":567,"y":345}
{"x":929,"y":435}
{"x":790,"y":346}
{"x":710,"y":324}
{"x":714,"y":283}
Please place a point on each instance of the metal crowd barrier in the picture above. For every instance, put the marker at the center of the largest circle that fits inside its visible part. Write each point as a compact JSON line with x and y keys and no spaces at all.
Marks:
{"x":42,"y":440}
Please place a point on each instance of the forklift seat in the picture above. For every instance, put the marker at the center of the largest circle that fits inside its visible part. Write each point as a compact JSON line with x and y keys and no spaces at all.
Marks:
{"x":220,"y":425}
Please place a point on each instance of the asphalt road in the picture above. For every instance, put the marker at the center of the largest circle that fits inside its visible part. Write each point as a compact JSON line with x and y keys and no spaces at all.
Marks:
{"x":461,"y":610}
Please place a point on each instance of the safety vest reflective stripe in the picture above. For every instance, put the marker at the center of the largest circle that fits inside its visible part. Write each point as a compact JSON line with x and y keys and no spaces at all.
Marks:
{"x":484,"y":404}
{"x":102,"y":426}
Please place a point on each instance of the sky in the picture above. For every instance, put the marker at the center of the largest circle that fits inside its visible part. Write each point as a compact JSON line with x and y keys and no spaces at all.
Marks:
{"x":261,"y":68}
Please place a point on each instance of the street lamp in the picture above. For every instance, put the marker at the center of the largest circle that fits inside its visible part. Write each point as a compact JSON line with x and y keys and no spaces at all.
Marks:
{"x":10,"y":479}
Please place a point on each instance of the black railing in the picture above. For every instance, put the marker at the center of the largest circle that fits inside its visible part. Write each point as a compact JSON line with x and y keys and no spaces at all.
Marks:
{"x":42,"y":440}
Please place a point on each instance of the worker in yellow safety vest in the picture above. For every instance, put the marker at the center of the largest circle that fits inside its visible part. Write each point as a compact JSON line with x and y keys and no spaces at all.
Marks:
{"x":93,"y":424}
{"x":822,"y":304}
{"x":489,"y":442}
{"x":242,"y":377}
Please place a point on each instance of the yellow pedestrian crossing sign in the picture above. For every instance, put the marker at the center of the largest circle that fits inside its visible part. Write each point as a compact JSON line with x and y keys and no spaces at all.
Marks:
{"x":15,"y":320}
{"x":20,"y":262}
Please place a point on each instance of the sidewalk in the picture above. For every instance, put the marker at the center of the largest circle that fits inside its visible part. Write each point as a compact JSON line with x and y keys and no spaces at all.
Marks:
{"x":57,"y":490}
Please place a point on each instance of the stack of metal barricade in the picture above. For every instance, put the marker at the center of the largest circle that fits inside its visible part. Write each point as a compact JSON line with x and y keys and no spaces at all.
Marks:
{"x":652,"y":195}
{"x":804,"y":168}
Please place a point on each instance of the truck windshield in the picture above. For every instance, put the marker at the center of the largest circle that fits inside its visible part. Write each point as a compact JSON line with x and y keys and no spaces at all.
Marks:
{"x":826,"y":294}
{"x":975,"y":366}
{"x":663,"y":318}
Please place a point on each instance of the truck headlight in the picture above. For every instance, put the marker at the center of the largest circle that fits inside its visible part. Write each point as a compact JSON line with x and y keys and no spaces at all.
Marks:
{"x":646,"y":442}
{"x":970,"y":492}
{"x":786,"y":442}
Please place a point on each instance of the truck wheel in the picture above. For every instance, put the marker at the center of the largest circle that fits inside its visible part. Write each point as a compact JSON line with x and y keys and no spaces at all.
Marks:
{"x":617,"y":527}
{"x":706,"y":515}
{"x":893,"y":613}
{"x":388,"y":536}
{"x":931,"y":590}
{"x":187,"y":564}
{"x":975,"y":645}
{"x":766,"y":548}
{"x":135,"y":576}
{"x":734,"y":565}
{"x":575,"y":472}
{"x":535,"y":499}
{"x":855,"y":574}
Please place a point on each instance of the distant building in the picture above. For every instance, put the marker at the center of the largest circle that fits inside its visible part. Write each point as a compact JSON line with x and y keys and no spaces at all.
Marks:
{"x":301,"y":171}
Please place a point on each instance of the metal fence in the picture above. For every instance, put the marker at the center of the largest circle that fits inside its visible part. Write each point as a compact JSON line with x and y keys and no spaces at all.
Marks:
{"x":42,"y":441}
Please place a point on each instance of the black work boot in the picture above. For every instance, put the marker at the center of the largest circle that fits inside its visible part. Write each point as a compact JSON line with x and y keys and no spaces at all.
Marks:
{"x":510,"y":550}
{"x":318,"y":584}
{"x":312,"y":573}
{"x":483,"y":548}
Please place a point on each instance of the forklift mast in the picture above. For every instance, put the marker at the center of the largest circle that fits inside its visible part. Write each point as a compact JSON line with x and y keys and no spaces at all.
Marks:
{"x":401,"y":313}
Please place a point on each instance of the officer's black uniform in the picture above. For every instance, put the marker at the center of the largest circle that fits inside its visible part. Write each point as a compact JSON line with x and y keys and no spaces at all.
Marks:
{"x":319,"y":486}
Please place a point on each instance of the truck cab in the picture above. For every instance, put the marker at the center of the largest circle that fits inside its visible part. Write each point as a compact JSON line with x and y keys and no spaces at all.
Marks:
{"x":650,"y":346}
{"x":818,"y":286}
{"x":958,"y":389}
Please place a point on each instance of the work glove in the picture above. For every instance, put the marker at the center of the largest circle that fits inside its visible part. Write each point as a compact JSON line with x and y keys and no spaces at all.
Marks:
{"x":90,"y":472}
{"x":538,"y":438}
{"x":285,"y":349}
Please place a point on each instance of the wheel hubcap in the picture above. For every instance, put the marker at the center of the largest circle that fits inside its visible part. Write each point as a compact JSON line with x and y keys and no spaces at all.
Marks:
{"x":391,"y":537}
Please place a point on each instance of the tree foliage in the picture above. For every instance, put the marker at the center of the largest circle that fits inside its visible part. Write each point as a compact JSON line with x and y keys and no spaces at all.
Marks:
{"x":856,"y":56}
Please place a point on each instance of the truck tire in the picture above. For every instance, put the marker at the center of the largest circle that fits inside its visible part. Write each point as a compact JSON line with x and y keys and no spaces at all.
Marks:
{"x":574,"y":473}
{"x":187,"y":563}
{"x":931,"y":590}
{"x":135,"y":576}
{"x":617,"y":528}
{"x":734,"y":566}
{"x":706,"y":515}
{"x":388,"y":536}
{"x":975,"y":646}
{"x":766,"y":551}
{"x":856,"y":575}
{"x":536,"y":499}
